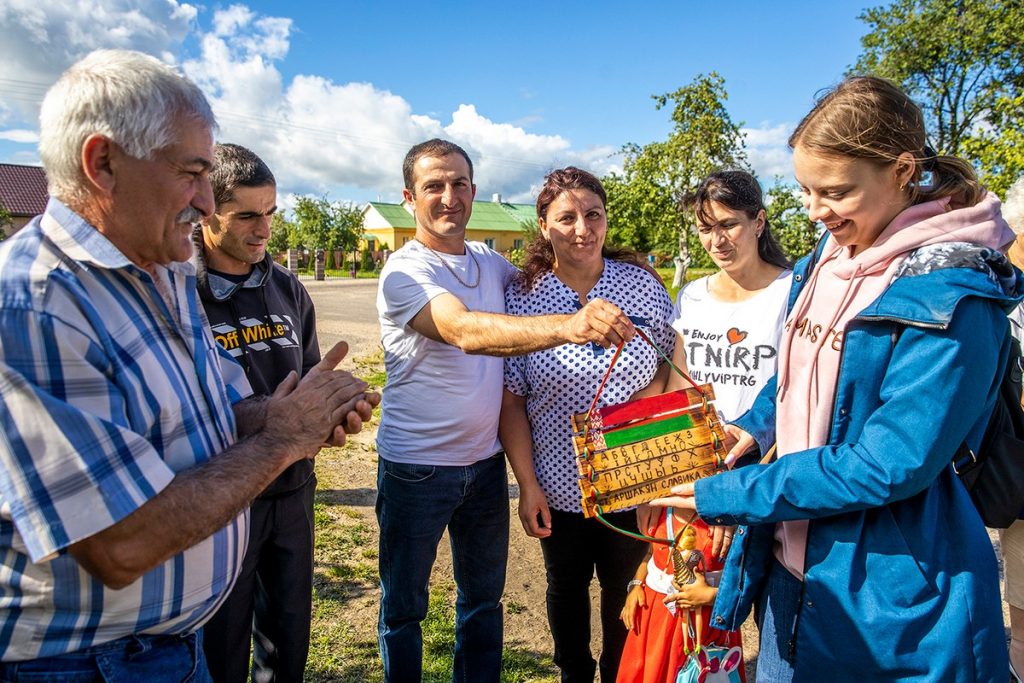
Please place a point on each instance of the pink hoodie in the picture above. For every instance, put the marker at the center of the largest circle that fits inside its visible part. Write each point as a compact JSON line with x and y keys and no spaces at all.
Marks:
{"x":836,"y":291}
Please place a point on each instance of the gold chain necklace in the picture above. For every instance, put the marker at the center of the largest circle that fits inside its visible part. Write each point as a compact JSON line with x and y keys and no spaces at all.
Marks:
{"x":444,"y":262}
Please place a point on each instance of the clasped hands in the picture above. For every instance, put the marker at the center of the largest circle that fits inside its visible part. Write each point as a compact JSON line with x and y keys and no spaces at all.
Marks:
{"x":322,"y":407}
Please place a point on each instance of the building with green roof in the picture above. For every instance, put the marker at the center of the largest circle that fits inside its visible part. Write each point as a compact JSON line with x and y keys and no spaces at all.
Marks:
{"x":497,"y":224}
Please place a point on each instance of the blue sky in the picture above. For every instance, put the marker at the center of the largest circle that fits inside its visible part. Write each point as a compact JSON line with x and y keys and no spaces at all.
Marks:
{"x":332,"y":94}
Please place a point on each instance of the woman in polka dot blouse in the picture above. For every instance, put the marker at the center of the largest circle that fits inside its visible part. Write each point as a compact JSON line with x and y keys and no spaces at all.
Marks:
{"x":566,"y":266}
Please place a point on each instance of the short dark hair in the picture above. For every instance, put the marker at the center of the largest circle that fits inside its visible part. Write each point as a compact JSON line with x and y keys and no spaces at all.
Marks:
{"x":431,"y":148}
{"x":235,"y":166}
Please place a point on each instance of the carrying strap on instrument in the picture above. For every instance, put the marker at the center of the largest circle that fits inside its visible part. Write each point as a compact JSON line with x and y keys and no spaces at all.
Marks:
{"x":586,"y":430}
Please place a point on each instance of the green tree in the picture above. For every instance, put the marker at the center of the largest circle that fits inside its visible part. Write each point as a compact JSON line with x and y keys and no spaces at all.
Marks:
{"x":5,"y":222}
{"x":366,"y":263}
{"x":648,"y":202}
{"x":998,"y":151}
{"x":530,"y":231}
{"x":331,"y":226}
{"x":796,"y":233}
{"x":348,"y":226}
{"x":640,"y":210}
{"x":963,"y":62}
{"x":283,"y":234}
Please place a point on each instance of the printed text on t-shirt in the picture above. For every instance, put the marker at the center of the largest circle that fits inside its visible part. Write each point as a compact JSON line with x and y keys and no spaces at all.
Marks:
{"x":809,"y":331}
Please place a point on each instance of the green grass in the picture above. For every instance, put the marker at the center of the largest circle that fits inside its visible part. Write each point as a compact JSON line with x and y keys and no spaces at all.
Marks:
{"x":513,"y":607}
{"x":691,"y":274}
{"x":346,"y":565}
{"x":345,"y":569}
{"x":518,"y":665}
{"x":371,"y":369}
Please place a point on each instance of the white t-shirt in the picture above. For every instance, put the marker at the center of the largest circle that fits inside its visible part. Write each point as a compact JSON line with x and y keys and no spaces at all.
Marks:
{"x":440,"y":405}
{"x":562,"y":381}
{"x":732,"y":345}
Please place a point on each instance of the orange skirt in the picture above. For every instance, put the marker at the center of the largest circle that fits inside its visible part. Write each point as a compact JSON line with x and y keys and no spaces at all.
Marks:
{"x":657,"y":647}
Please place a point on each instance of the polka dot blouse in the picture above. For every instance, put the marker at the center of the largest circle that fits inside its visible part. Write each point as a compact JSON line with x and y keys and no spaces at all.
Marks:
{"x":562,"y":381}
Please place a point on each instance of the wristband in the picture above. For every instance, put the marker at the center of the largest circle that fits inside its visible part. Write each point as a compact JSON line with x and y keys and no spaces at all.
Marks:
{"x":633,"y":584}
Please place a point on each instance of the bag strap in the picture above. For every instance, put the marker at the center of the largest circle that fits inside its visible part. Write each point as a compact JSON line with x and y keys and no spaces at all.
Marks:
{"x":767,"y":458}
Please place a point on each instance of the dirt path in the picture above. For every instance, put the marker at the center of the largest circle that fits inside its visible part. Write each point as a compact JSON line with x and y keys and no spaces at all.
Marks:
{"x":345,"y":310}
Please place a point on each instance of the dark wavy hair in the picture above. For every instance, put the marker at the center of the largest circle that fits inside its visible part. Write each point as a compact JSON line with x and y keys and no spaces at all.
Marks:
{"x":739,"y":191}
{"x":540,"y":257}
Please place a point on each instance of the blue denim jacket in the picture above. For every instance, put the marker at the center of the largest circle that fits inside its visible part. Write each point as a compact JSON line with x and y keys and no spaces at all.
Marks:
{"x":901,"y":580}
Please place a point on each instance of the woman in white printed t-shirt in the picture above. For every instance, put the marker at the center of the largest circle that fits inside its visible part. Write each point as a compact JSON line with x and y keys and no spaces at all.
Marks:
{"x":729,"y":325}
{"x":730,"y":322}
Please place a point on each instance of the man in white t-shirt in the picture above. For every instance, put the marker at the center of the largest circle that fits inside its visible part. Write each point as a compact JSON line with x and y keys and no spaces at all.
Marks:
{"x":443,"y":326}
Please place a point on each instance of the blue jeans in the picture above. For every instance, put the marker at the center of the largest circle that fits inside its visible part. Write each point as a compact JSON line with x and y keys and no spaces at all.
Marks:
{"x":415,"y":503}
{"x":776,"y":620}
{"x":153,"y":659}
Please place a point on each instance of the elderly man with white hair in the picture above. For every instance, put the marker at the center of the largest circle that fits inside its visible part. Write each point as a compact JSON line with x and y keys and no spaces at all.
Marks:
{"x":128,"y":451}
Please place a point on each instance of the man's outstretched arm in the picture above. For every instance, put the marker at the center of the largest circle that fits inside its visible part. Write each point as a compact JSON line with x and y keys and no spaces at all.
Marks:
{"x":446,"y":319}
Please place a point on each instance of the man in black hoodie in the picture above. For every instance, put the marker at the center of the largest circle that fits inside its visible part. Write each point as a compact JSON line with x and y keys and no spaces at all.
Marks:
{"x":263,"y":317}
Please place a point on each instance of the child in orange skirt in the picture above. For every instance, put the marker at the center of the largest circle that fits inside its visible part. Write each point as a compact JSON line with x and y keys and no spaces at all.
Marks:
{"x":660,"y":615}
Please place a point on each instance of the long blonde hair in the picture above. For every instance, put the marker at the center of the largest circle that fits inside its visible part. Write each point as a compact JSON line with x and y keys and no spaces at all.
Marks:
{"x":870,"y":118}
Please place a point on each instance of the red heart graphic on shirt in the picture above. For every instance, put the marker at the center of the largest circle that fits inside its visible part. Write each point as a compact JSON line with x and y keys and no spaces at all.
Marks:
{"x":735,"y":336}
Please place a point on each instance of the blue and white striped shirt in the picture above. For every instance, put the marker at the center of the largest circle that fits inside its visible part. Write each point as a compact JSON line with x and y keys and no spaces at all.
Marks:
{"x":110,"y":383}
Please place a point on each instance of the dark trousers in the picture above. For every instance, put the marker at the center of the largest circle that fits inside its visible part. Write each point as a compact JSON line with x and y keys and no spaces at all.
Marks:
{"x":415,"y":503}
{"x":576,"y":549}
{"x":271,"y":602}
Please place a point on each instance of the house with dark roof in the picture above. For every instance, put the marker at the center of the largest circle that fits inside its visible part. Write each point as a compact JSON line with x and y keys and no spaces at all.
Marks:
{"x":497,"y":224}
{"x":22,"y":193}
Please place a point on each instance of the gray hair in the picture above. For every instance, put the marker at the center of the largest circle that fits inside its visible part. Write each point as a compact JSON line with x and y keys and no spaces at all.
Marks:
{"x":129,"y":97}
{"x":1013,"y":207}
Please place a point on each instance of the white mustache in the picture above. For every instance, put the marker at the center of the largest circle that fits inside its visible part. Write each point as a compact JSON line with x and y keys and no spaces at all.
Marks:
{"x":189,"y":214}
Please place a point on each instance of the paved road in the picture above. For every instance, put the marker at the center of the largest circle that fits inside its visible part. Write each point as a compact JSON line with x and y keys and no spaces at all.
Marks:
{"x":346,"y":310}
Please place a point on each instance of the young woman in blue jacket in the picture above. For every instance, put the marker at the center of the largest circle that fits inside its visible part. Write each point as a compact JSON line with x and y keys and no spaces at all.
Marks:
{"x":858,"y":547}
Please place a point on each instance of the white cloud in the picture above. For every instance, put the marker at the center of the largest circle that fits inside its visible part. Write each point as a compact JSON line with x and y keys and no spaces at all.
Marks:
{"x":768,"y":151}
{"x":318,"y":135}
{"x":43,"y":37}
{"x":767,"y":135}
{"x":226,"y":22}
{"x":20,"y":135}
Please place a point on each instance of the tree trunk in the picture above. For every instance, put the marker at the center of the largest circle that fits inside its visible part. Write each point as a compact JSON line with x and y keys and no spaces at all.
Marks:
{"x":682,"y":262}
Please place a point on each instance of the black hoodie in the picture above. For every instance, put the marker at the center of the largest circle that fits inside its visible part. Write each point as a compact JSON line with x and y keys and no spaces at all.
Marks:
{"x":268,"y":325}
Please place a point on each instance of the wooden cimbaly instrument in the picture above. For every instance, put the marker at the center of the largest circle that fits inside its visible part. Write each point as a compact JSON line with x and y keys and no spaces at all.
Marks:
{"x":634,"y":452}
